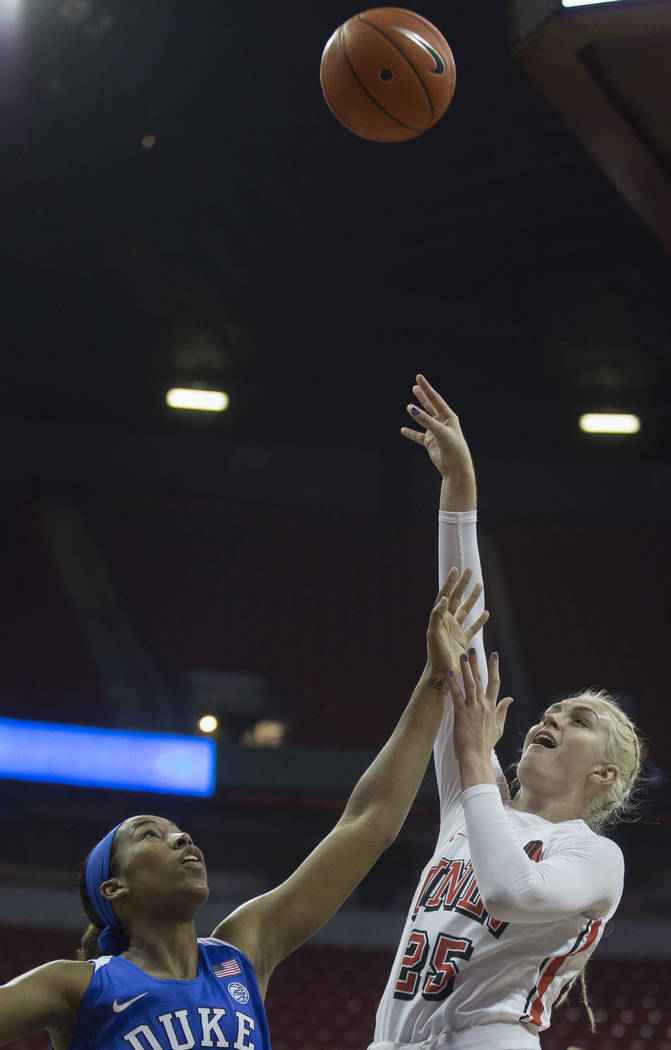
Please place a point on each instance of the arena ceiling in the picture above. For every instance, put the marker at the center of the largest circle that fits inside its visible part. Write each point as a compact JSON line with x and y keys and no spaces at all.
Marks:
{"x":179,"y":206}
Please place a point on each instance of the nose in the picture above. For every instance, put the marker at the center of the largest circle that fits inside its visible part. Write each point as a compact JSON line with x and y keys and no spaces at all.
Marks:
{"x":180,"y":839}
{"x":551,"y":719}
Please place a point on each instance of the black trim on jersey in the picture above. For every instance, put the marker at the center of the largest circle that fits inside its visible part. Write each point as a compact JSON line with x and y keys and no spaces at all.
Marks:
{"x":534,"y":991}
{"x":534,"y":850}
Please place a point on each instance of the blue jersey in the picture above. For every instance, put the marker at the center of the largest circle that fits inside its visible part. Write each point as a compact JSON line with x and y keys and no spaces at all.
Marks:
{"x":125,"y":1008}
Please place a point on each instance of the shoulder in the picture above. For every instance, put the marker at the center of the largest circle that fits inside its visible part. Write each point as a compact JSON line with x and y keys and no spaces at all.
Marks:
{"x":216,"y":942}
{"x":575,"y":836}
{"x":66,"y":974}
{"x":73,"y":978}
{"x":214,"y":946}
{"x":48,"y":995}
{"x":607,"y":849}
{"x":70,"y":980}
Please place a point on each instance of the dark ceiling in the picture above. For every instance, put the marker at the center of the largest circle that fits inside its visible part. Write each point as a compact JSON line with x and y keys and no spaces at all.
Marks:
{"x":259,"y":246}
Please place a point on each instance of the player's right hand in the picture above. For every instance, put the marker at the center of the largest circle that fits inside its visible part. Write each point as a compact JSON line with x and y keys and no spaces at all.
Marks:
{"x":442,"y":437}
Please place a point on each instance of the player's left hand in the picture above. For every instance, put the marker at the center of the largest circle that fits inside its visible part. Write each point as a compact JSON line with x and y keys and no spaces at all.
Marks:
{"x":478,"y":718}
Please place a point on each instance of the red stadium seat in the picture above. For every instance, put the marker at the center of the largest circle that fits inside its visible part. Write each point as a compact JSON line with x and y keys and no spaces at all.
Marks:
{"x":325,"y":998}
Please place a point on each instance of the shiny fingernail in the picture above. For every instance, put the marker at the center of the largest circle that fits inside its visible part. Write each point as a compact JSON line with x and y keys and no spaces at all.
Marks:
{"x":472,"y":652}
{"x":414,"y":410}
{"x":495,"y":655}
{"x":464,"y":658}
{"x":451,"y":674}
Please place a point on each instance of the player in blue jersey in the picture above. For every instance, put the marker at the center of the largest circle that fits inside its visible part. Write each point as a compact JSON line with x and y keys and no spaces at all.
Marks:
{"x":150,"y":984}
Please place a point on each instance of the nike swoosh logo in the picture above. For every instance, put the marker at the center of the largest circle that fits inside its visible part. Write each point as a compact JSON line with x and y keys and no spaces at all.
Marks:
{"x":439,"y":67}
{"x":118,"y":1007}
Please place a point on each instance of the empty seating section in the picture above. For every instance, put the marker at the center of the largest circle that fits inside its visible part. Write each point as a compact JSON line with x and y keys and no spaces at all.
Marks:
{"x":325,"y":998}
{"x":331,"y":605}
{"x":592,"y":609}
{"x":45,"y":670}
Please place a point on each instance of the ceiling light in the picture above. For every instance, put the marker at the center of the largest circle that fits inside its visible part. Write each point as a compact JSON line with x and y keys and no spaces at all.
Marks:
{"x":208,"y":724}
{"x":10,"y":12}
{"x":609,"y":423}
{"x":586,"y":3}
{"x":203,"y":400}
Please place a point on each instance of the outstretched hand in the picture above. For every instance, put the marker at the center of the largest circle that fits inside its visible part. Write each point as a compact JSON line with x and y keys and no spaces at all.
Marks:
{"x":442,"y":437}
{"x":478,"y":719}
{"x":446,"y":638}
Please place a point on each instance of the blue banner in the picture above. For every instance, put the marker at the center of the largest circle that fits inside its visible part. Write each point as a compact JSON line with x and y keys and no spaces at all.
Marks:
{"x":111,"y":758}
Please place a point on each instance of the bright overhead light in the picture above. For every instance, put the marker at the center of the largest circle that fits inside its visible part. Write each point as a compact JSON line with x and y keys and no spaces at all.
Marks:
{"x":586,"y":3}
{"x":202,"y":400}
{"x":609,"y":423}
{"x":208,"y":724}
{"x":9,"y":10}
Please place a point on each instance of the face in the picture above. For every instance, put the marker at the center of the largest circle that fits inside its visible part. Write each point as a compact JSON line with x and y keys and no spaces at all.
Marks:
{"x":158,"y":866}
{"x":567,"y":748}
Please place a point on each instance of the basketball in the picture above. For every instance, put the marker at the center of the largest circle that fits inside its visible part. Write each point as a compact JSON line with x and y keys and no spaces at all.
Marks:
{"x":387,"y":74}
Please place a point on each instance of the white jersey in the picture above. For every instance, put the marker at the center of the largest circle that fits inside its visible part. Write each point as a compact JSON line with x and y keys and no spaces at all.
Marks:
{"x":464,"y":979}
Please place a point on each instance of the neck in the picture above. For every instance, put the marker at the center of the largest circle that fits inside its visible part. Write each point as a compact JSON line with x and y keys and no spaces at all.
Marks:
{"x":550,"y":808}
{"x":165,"y":949}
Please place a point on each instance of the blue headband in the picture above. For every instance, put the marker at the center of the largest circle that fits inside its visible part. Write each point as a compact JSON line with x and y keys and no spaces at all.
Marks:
{"x":112,"y":939}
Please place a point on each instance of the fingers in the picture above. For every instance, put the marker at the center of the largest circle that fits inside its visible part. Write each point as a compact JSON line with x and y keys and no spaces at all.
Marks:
{"x":468,"y":679}
{"x":425,"y":420}
{"x":446,"y":589}
{"x":474,"y":668}
{"x":471,"y":677}
{"x":492,"y":691}
{"x":493,"y":678}
{"x":477,"y":625}
{"x":431,"y":399}
{"x":427,"y":398}
{"x":414,"y":435}
{"x":455,"y":691}
{"x":468,"y":603}
{"x":500,"y":713}
{"x":459,"y":588}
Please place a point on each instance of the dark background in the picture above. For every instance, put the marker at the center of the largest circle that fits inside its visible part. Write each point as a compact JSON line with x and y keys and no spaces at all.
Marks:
{"x":260,"y":248}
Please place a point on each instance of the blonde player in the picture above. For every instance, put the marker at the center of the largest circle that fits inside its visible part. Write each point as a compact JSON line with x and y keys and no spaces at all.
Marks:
{"x":517,"y":893}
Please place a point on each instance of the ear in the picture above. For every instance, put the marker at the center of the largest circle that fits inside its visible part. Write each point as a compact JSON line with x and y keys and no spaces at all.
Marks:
{"x":605,"y":775}
{"x":113,"y":890}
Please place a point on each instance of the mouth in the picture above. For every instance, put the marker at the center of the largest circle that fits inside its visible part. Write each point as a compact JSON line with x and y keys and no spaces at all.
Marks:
{"x":192,"y":858}
{"x":544,"y":739}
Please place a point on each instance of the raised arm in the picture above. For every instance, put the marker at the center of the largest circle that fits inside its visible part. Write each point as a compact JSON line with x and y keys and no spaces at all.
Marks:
{"x":271,"y":926}
{"x":448,"y":450}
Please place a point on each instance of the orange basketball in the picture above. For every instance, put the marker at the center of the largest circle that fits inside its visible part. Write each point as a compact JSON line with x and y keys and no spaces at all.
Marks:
{"x":387,"y":74}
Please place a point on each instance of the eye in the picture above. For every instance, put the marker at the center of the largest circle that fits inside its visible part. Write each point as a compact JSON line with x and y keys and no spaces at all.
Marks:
{"x":581,"y":720}
{"x":149,"y":831}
